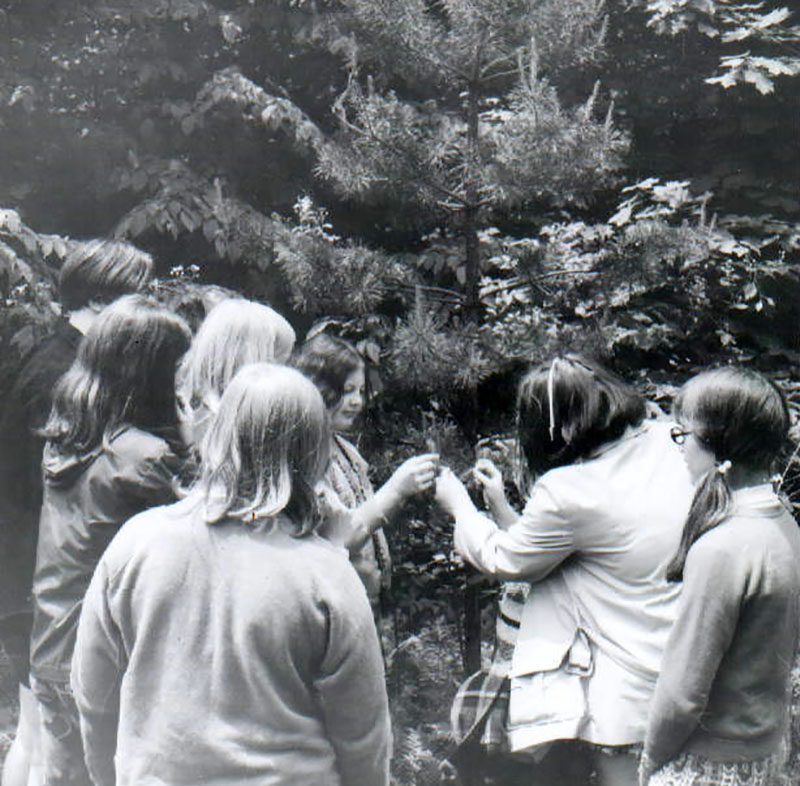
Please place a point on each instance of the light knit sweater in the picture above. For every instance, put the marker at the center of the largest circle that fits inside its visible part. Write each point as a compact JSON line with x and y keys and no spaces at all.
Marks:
{"x":226,"y":654}
{"x":724,"y":687}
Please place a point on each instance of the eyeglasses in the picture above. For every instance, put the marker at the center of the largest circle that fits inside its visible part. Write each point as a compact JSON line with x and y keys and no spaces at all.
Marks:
{"x":678,"y":435}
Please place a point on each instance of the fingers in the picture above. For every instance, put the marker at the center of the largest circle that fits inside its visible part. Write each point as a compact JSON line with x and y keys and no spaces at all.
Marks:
{"x":487,"y":474}
{"x":482,"y":477}
{"x":416,"y":474}
{"x":487,"y":468}
{"x":446,"y":481}
{"x":424,"y":469}
{"x":425,"y":474}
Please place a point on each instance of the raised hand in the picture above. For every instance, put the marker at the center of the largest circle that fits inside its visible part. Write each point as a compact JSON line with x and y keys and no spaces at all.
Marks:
{"x":491,"y":481}
{"x":450,"y":492}
{"x":415,"y":474}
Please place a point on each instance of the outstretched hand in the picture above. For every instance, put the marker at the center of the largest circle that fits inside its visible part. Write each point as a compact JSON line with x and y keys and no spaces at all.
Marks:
{"x":450,"y":492}
{"x":415,"y":475}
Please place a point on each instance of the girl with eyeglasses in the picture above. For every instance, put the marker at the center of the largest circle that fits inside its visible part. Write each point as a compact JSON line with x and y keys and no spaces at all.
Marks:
{"x":608,"y":503}
{"x":721,"y":704}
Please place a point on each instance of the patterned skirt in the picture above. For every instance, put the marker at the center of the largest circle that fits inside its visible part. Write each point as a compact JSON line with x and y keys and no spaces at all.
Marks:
{"x":690,"y":770}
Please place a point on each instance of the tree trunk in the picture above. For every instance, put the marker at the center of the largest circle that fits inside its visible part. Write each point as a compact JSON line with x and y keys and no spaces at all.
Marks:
{"x":472,"y":623}
{"x":472,"y":313}
{"x":470,"y":225}
{"x":472,"y":308}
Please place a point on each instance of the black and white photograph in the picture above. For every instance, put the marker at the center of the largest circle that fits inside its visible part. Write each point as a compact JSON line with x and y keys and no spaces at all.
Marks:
{"x":399,"y":393}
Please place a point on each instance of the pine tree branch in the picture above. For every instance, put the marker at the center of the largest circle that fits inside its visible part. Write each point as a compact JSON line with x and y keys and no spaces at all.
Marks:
{"x":487,"y":67}
{"x":399,"y":152}
{"x":519,"y":283}
{"x":442,"y":291}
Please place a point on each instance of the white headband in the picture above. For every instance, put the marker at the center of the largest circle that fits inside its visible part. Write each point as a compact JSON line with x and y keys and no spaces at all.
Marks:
{"x":551,"y":404}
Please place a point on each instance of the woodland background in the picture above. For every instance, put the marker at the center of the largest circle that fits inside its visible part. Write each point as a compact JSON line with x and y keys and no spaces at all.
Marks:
{"x":463,"y":187}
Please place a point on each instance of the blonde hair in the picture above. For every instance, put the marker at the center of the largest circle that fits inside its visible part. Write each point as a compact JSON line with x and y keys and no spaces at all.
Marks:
{"x":234,"y":334}
{"x":267,"y":448}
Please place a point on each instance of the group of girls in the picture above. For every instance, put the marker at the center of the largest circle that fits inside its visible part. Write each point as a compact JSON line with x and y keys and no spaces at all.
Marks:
{"x":661,"y":624}
{"x":222,"y":634}
{"x":225,"y":639}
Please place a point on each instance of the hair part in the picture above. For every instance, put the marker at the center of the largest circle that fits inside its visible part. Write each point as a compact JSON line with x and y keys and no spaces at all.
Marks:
{"x":100,"y":271}
{"x":124,"y":372}
{"x":741,"y":417}
{"x":235,"y":333}
{"x":267,"y":448}
{"x":328,"y":361}
{"x":569,"y":407}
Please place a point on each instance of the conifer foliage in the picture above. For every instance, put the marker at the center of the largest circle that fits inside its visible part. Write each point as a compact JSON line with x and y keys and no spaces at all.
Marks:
{"x":450,"y":108}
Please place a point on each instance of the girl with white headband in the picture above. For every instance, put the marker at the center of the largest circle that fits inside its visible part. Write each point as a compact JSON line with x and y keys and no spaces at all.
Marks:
{"x":603,"y":516}
{"x":721,"y":706}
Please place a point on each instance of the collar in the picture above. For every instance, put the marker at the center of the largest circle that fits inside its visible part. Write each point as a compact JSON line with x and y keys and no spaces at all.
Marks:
{"x":631,"y":432}
{"x":761,"y":498}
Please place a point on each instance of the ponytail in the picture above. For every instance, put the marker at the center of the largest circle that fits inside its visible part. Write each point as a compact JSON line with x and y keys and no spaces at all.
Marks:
{"x":710,"y":507}
{"x":740,"y":416}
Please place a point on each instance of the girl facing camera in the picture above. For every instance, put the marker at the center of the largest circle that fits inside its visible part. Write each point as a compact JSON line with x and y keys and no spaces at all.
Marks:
{"x":355,"y":513}
{"x":107,"y":457}
{"x":608,"y":501}
{"x":222,"y":640}
{"x":721,"y":705}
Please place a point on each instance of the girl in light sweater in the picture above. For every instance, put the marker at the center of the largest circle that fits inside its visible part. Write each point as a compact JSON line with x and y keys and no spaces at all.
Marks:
{"x":222,"y":641}
{"x":722,"y":699}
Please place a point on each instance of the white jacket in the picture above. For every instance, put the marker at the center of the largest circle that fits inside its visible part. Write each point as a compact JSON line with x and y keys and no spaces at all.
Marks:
{"x":609,"y":524}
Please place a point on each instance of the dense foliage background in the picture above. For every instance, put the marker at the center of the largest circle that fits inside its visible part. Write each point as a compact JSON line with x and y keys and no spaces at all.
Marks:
{"x":461,"y":186}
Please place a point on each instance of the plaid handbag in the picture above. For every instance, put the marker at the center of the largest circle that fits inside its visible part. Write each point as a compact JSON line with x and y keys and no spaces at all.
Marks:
{"x":480,"y":711}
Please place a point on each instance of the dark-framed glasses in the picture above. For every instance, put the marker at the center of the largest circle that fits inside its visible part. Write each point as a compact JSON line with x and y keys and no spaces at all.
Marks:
{"x":678,"y":435}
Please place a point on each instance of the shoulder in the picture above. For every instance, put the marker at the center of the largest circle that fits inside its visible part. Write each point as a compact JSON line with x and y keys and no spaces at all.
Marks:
{"x":49,"y":359}
{"x":133,"y":441}
{"x":574,"y":485}
{"x":136,"y":452}
{"x":31,"y":393}
{"x":321,"y":552}
{"x":329,"y":568}
{"x":750,"y":537}
{"x":727,"y":552}
{"x":722,"y":542}
{"x":644,"y":454}
{"x":159,"y":527}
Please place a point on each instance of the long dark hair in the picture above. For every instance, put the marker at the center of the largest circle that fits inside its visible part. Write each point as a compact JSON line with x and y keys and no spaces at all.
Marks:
{"x":743,"y":419}
{"x":569,"y":407}
{"x":328,"y":361}
{"x":124,"y":372}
